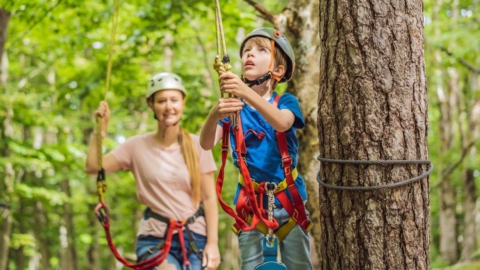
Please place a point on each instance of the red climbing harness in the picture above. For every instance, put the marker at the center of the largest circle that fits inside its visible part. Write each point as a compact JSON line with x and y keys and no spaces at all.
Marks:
{"x":102,"y":213}
{"x":249,"y":208}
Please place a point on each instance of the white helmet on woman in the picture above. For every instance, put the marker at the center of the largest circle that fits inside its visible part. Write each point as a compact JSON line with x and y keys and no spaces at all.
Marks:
{"x":165,"y":81}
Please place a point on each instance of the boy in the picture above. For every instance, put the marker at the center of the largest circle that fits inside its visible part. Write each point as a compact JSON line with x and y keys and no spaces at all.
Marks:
{"x":260,"y":153}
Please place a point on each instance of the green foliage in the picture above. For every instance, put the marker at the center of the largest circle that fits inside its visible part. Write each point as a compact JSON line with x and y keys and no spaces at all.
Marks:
{"x":58,"y":54}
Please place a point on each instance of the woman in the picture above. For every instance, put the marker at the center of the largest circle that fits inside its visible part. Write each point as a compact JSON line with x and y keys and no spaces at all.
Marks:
{"x":173,"y":176}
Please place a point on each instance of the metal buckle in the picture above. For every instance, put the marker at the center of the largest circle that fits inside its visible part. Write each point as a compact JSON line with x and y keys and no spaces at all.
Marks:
{"x":286,"y":159}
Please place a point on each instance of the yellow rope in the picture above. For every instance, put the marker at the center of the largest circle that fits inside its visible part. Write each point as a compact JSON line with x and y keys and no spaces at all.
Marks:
{"x":101,"y":184}
{"x":221,"y":64}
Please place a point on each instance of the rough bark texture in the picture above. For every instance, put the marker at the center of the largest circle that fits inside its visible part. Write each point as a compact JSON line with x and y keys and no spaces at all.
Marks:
{"x":372,"y":106}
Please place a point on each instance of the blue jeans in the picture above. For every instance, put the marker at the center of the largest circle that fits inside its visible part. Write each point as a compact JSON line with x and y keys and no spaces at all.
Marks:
{"x":294,"y":248}
{"x":175,"y":256}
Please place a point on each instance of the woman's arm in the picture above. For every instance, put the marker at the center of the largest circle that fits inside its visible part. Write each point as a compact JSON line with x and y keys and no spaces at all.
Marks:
{"x":211,"y":254}
{"x":109,"y":162}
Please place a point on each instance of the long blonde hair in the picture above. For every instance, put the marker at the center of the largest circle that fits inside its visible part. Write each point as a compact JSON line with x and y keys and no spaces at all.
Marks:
{"x":190,"y":155}
{"x":188,"y":147}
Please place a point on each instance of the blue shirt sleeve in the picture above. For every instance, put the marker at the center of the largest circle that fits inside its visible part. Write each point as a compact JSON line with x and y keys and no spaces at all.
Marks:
{"x":290,"y":102}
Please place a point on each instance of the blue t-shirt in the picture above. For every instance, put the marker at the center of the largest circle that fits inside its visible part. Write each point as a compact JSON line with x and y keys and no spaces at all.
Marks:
{"x":263,"y":156}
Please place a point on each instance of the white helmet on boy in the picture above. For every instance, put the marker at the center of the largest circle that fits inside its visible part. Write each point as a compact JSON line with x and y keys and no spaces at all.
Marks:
{"x":165,"y":81}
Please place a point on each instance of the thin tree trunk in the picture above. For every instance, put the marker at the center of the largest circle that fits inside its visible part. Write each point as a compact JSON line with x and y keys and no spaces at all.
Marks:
{"x":93,"y":250}
{"x":6,"y":186}
{"x":41,"y":222}
{"x":469,"y":232}
{"x":300,"y":24}
{"x":448,"y":230}
{"x":70,"y":251}
{"x":20,"y":258}
{"x":372,"y":106}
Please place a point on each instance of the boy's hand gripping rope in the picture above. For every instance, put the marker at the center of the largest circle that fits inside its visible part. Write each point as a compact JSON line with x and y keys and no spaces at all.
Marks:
{"x":221,"y":66}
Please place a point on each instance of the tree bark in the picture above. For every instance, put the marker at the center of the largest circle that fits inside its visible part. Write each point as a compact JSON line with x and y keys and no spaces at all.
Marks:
{"x":372,"y":106}
{"x":302,"y":25}
{"x":299,"y":24}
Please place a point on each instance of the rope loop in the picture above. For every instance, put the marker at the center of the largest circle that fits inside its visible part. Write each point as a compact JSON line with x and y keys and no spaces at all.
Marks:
{"x":374,"y":162}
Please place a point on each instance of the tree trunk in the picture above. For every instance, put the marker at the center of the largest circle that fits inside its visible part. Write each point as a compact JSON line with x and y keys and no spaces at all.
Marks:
{"x":6,"y":186}
{"x":372,"y":106}
{"x":93,"y":251}
{"x":448,"y":221}
{"x":41,"y":221}
{"x":300,"y":24}
{"x":469,"y":231}
{"x":70,"y":252}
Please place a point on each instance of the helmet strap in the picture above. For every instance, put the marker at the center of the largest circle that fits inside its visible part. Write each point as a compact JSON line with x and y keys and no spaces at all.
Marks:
{"x":267,"y":76}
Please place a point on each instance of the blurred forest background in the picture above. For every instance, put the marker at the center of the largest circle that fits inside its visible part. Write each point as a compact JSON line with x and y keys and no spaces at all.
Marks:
{"x":53,"y":70}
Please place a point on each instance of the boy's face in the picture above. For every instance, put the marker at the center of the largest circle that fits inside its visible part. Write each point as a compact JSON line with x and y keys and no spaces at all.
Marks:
{"x":255,"y":60}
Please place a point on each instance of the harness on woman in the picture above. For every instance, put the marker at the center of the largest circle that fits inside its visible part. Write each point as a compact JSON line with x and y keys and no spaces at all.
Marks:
{"x":193,"y":246}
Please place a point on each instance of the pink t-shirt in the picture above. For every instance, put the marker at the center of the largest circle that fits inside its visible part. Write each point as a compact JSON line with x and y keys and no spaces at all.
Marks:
{"x":162,"y":180}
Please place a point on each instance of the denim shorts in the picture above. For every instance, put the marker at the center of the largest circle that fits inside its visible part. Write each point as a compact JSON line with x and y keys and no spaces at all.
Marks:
{"x":294,"y":248}
{"x":175,"y":255}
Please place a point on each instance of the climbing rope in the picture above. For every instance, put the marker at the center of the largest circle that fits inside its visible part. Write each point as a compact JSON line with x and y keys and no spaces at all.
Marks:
{"x":220,"y":66}
{"x":101,"y":184}
{"x":375,"y":162}
{"x":271,"y":188}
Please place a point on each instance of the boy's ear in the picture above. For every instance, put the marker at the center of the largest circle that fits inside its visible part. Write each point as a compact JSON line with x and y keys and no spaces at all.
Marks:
{"x":279,"y":71}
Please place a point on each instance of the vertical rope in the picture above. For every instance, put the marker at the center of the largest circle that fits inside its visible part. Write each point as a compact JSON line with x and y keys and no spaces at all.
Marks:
{"x":221,"y":66}
{"x":101,"y":185}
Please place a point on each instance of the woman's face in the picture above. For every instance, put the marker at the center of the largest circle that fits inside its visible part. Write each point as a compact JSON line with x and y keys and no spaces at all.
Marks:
{"x":168,"y":106}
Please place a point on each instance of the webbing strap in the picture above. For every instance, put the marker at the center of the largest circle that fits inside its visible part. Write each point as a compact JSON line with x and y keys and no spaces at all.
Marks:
{"x":297,"y":211}
{"x":280,"y":187}
{"x":248,"y":182}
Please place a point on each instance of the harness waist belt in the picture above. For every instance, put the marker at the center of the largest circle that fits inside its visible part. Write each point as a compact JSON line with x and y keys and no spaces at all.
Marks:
{"x":280,"y":187}
{"x":150,"y":214}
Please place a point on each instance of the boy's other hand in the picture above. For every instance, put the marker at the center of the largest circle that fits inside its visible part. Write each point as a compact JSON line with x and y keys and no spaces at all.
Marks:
{"x":232,"y":84}
{"x":226,"y":107}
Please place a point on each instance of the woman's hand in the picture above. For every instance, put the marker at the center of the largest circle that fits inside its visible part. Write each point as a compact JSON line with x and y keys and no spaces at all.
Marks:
{"x":103,"y":112}
{"x":211,"y":256}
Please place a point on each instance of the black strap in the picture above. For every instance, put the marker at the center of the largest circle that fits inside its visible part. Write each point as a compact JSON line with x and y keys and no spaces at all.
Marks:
{"x":259,"y":80}
{"x":150,"y":214}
